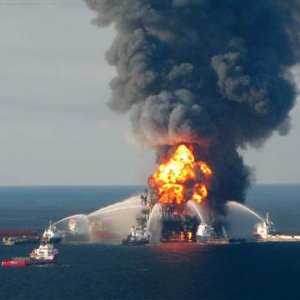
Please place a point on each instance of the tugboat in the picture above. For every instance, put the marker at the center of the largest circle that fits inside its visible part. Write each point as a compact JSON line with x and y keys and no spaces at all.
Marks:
{"x":137,"y":236}
{"x":51,"y":235}
{"x":45,"y":254}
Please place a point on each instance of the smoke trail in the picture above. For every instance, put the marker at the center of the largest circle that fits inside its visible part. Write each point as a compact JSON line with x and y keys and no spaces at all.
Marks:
{"x":208,"y":72}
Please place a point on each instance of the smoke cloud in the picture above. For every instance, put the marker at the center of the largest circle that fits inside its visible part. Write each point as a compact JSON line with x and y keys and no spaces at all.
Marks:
{"x":207,"y":72}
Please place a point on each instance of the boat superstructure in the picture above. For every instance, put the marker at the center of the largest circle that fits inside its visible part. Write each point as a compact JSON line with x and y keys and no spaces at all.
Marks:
{"x":266,"y":232}
{"x":51,"y":235}
{"x":45,"y":252}
{"x":137,"y":236}
{"x":205,"y":232}
{"x":72,"y":226}
{"x":265,"y":229}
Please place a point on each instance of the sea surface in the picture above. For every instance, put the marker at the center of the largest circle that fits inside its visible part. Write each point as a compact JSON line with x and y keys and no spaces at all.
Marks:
{"x":161,"y":271}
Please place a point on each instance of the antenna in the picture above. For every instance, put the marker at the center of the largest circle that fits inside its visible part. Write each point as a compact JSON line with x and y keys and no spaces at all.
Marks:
{"x":267,"y":218}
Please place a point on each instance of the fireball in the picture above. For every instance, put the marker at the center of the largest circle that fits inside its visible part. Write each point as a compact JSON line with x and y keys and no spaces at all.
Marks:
{"x":181,"y":178}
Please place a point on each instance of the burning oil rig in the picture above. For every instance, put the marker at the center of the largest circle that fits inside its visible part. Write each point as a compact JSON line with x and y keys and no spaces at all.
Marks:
{"x":178,"y":181}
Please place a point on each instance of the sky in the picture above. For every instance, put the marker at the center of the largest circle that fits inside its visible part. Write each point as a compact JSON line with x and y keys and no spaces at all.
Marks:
{"x":55,"y":125}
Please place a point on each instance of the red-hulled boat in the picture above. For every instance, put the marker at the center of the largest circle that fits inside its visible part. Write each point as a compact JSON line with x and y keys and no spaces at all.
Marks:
{"x":99,"y":231}
{"x":45,"y":254}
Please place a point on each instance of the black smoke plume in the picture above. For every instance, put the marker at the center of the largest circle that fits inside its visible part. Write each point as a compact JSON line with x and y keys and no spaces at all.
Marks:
{"x":214,"y":73}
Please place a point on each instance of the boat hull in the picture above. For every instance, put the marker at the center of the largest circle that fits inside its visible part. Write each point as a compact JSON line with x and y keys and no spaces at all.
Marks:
{"x":128,"y":242}
{"x":279,"y":238}
{"x":26,"y":261}
{"x":24,"y":240}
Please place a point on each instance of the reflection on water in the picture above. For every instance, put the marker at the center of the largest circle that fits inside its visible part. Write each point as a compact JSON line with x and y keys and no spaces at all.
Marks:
{"x":177,"y":253}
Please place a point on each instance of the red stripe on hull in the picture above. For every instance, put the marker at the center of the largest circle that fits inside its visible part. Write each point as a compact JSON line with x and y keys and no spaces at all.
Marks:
{"x":12,"y":263}
{"x":19,"y":232}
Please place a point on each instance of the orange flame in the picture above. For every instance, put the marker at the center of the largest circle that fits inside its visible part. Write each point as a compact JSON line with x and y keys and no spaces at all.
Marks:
{"x":200,"y":192}
{"x":173,"y":178}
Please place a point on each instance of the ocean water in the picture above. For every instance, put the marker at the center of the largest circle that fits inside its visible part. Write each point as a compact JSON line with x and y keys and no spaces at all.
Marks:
{"x":162,"y":271}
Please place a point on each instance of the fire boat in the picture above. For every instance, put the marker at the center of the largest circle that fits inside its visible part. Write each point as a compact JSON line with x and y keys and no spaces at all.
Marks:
{"x":137,"y":236}
{"x":205,"y":233}
{"x":266,"y":229}
{"x":266,"y":232}
{"x":51,"y":235}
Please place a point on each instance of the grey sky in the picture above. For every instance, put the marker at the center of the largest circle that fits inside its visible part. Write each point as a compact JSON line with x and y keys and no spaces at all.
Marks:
{"x":55,"y":127}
